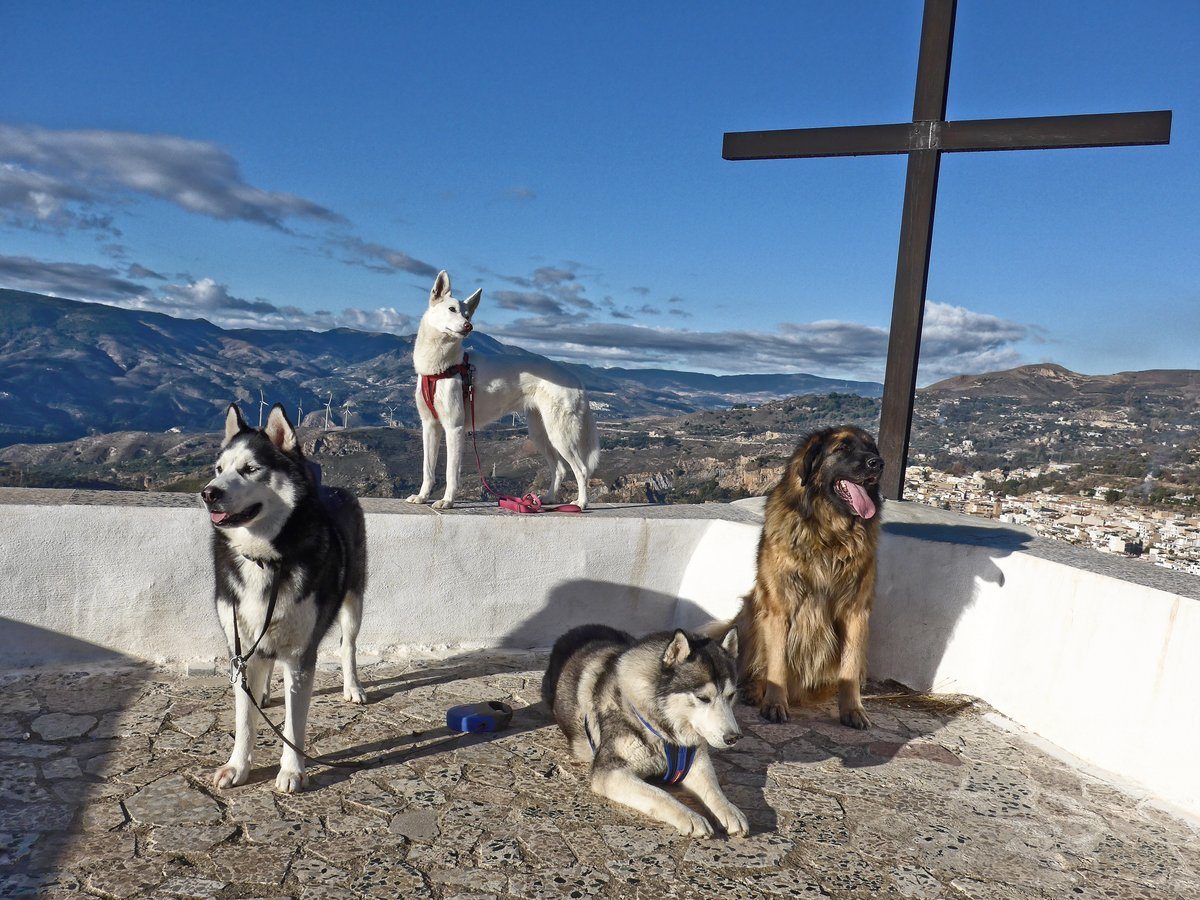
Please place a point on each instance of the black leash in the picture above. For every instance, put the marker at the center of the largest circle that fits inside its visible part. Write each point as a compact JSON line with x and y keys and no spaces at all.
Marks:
{"x":237,"y":663}
{"x":237,"y":678}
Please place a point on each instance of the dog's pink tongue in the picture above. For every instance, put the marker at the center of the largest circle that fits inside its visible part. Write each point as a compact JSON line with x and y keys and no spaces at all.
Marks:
{"x":859,"y":500}
{"x":218,"y":517}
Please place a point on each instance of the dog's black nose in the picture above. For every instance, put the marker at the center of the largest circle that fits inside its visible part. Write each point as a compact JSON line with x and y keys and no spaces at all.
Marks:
{"x":732,"y":737}
{"x":875,"y":462}
{"x":211,"y":494}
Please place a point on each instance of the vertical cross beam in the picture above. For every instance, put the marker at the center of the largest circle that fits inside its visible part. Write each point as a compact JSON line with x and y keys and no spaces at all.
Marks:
{"x":916,"y":237}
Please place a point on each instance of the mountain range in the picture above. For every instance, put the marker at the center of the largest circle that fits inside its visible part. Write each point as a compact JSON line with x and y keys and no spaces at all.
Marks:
{"x":1043,"y":382}
{"x":69,"y":369}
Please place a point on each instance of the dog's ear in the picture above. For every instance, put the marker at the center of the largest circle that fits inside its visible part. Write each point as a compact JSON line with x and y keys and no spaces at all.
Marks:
{"x":441,"y":288}
{"x":279,"y":429}
{"x":233,"y":424}
{"x":810,"y":456}
{"x":730,"y":643}
{"x":679,"y":649}
{"x":472,"y":303}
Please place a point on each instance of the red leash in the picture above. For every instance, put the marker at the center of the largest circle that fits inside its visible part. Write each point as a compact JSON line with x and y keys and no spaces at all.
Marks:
{"x":530,"y":503}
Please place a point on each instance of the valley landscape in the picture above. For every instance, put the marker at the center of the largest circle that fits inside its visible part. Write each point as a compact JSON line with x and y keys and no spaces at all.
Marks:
{"x":99,"y":397}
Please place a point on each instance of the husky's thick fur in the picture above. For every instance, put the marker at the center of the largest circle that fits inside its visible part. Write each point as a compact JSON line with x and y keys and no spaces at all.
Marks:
{"x":637,"y":702}
{"x":552,"y":399}
{"x":804,"y":626}
{"x":271,"y":522}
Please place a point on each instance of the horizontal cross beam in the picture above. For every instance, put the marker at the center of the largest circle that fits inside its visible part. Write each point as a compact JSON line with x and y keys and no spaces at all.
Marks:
{"x":1034,"y":133}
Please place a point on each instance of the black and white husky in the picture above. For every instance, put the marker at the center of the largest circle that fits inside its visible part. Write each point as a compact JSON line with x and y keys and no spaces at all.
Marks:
{"x":274,"y":526}
{"x":649,"y":709}
{"x":552,"y":399}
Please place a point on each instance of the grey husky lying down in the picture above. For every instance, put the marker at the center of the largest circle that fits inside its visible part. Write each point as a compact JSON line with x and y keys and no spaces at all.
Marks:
{"x":649,"y":709}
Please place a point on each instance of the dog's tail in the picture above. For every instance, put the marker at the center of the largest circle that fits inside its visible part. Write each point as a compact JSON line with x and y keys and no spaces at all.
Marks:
{"x":718,"y":628}
{"x":591,"y":437}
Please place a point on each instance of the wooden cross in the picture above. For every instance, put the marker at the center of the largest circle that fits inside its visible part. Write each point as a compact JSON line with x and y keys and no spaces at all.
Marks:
{"x":925,"y":139}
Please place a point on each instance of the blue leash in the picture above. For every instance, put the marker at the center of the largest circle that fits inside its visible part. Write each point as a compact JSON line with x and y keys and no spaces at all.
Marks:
{"x":678,"y":758}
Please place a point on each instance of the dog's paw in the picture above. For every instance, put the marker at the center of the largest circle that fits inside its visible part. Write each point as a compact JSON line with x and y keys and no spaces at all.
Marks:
{"x":856,"y":718}
{"x":774,"y":712}
{"x":354,"y":694}
{"x":733,"y":820}
{"x":695,"y":825}
{"x":230,"y":775}
{"x":443,"y":504}
{"x":289,"y":781}
{"x":415,"y":498}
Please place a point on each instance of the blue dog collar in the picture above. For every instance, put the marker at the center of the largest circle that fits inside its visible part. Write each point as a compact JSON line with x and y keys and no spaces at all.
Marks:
{"x":679,"y":759}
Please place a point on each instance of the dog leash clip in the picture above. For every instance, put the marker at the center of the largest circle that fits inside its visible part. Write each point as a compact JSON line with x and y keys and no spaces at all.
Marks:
{"x":494,"y":715}
{"x":237,"y":670}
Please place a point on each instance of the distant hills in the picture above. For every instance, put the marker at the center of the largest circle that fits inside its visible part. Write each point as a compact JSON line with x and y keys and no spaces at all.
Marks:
{"x":68,"y":369}
{"x":1047,"y":381}
{"x":96,"y":396}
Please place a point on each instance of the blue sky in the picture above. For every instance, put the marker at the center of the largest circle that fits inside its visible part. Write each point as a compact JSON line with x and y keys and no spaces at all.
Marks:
{"x":307,"y":165}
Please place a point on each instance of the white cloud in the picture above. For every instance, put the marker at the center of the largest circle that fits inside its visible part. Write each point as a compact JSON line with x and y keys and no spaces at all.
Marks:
{"x":199,"y":298}
{"x":956,"y":340}
{"x":378,"y":258}
{"x":56,"y":177}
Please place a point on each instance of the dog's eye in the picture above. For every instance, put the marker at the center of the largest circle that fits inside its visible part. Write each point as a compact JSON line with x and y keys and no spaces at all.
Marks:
{"x":703,"y":699}
{"x":452,"y":309}
{"x":249,"y":470}
{"x":218,"y":470}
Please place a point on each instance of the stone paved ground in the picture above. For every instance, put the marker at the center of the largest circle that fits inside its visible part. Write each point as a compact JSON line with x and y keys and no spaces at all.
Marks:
{"x":104,"y":790}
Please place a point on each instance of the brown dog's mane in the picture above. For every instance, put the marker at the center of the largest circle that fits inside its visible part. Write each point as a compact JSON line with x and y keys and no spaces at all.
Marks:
{"x":815,"y":582}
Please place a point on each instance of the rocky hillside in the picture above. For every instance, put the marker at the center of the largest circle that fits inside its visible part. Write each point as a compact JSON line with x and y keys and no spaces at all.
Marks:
{"x":68,"y":369}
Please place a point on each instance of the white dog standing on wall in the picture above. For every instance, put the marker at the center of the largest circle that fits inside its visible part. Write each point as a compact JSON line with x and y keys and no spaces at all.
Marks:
{"x":552,"y":399}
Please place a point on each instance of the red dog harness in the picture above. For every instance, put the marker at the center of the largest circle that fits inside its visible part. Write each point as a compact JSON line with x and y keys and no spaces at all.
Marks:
{"x":530,"y":503}
{"x":429,"y":383}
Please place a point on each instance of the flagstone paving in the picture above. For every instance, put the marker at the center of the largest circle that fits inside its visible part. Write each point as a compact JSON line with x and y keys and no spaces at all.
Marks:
{"x":104,"y":790}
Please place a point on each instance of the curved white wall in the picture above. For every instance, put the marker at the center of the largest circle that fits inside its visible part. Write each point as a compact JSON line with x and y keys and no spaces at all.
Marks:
{"x":137,"y":581}
{"x":1104,"y":667}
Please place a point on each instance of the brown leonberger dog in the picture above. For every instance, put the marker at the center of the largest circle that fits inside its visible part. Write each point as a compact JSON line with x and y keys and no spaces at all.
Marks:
{"x":803,"y":629}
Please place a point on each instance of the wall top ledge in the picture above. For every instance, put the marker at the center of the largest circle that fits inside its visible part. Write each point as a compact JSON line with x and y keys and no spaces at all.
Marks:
{"x":926,"y":523}
{"x":726,"y":512}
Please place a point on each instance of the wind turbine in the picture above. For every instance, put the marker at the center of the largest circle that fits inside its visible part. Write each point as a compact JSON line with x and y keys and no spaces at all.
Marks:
{"x":346,"y":414}
{"x":262,"y":402}
{"x":327,"y":402}
{"x":391,"y":416}
{"x":299,"y":411}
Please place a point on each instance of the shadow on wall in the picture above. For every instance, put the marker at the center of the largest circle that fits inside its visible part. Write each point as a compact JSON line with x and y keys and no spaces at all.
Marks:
{"x":56,"y":731}
{"x":586,"y":601}
{"x":924,"y":590}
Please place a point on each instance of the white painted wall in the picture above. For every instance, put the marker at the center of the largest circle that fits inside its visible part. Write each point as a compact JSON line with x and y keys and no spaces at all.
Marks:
{"x":1106,"y":669}
{"x":1103,"y":668}
{"x":77,"y":582}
